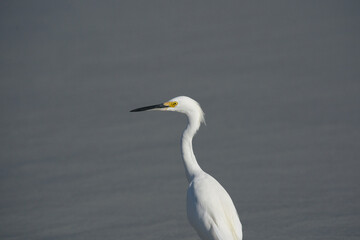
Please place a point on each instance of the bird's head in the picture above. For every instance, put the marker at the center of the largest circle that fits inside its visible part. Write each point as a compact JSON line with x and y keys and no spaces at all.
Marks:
{"x":180,"y":104}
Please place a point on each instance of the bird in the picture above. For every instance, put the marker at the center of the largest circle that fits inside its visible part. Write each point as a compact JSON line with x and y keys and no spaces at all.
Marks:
{"x":210,"y":209}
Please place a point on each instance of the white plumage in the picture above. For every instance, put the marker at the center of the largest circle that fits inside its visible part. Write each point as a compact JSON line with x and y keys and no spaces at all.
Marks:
{"x":210,"y":209}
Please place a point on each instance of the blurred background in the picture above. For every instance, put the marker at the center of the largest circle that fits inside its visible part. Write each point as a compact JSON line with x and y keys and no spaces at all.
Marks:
{"x":278,"y":81}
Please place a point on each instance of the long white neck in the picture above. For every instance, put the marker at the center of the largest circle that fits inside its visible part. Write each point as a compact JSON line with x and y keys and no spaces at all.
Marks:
{"x":192,"y":168}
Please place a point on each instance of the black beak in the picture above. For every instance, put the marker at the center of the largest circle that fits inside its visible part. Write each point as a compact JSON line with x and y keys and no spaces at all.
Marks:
{"x":157,"y":106}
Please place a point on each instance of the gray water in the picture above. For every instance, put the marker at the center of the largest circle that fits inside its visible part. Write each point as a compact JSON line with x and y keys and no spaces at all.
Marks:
{"x":278,"y":81}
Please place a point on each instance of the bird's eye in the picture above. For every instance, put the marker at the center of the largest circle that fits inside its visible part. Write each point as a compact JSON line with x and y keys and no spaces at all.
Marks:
{"x":174,"y":104}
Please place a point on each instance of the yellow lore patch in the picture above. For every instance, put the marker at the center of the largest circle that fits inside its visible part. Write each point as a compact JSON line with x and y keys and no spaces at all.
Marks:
{"x":171,"y":104}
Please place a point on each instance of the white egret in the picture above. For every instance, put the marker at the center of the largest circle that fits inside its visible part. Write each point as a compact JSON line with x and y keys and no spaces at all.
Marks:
{"x":210,"y":209}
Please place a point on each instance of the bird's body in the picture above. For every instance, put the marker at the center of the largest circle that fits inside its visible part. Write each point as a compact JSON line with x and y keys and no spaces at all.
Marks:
{"x":210,"y":209}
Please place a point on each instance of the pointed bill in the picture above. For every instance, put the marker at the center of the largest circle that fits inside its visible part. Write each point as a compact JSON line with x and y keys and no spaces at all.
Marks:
{"x":152,"y":107}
